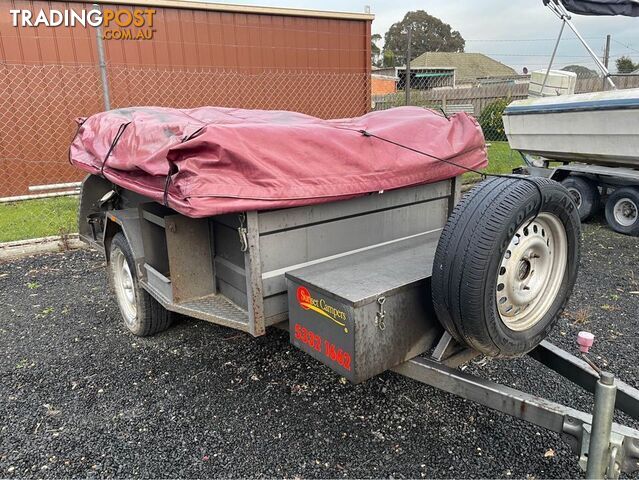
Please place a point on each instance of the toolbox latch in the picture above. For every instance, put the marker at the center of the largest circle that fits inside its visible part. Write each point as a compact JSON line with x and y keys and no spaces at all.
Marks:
{"x":381,"y":313}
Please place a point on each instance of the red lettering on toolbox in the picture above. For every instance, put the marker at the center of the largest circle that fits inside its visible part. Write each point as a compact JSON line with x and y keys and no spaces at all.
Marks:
{"x":314,"y":341}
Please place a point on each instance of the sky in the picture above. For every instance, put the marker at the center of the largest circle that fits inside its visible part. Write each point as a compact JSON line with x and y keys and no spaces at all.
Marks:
{"x":519,"y":33}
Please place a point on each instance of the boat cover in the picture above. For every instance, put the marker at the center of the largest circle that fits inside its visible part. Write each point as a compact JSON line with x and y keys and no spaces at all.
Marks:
{"x":209,"y":161}
{"x":629,"y":8}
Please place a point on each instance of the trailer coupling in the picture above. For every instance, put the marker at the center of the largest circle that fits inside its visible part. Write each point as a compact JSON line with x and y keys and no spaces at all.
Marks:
{"x":605,"y":449}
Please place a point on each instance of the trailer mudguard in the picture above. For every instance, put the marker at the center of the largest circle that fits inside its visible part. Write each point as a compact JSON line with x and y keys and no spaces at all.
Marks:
{"x":128,"y":222}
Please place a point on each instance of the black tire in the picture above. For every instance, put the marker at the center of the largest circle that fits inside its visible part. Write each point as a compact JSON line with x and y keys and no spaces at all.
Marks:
{"x":470,"y":255}
{"x":150,"y":316}
{"x":626,"y":219}
{"x":586,"y":195}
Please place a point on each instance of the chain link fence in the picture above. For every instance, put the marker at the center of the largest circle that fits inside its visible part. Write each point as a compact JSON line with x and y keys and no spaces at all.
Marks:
{"x":39,"y":104}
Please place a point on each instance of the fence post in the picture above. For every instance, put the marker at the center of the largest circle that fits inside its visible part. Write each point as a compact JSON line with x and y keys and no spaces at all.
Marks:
{"x":408,"y":74}
{"x":102,"y":65}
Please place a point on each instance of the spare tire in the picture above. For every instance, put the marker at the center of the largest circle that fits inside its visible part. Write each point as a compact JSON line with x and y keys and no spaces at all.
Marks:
{"x":505,"y":265}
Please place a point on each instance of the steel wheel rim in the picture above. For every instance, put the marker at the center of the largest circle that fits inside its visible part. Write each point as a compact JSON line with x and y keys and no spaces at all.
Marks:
{"x":531,"y":272}
{"x":124,"y":286}
{"x":625,"y":212}
{"x":576,"y":195}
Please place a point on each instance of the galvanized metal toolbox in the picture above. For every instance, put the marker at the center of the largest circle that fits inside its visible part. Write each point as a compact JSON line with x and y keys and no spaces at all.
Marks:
{"x":366,"y":312}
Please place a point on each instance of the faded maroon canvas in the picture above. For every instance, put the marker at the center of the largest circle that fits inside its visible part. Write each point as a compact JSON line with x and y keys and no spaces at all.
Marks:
{"x":209,"y":161}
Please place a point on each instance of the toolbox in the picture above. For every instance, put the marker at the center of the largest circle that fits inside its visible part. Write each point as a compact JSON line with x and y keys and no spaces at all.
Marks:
{"x":367,"y":311}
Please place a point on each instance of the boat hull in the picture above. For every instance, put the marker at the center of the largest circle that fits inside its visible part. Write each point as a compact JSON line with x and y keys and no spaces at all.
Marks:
{"x":600,"y":128}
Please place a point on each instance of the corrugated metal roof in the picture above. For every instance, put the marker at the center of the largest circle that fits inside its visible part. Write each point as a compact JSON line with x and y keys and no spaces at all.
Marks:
{"x":228,"y":7}
{"x":466,"y":65}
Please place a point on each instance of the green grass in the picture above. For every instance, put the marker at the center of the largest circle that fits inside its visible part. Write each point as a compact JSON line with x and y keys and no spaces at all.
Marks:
{"x":501,"y":159}
{"x":38,"y":218}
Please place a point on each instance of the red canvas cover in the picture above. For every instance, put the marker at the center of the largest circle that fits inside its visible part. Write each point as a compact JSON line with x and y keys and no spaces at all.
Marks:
{"x":224,"y":160}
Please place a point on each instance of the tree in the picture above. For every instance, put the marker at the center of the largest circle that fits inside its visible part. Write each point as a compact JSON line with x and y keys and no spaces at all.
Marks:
{"x":428,"y":34}
{"x":388,"y":59}
{"x":626,"y":65}
{"x":582,"y":72}
{"x":375,"y":50}
{"x":491,"y":121}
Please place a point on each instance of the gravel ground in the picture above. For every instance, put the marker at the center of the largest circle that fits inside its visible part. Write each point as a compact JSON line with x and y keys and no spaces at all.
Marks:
{"x":79,"y":396}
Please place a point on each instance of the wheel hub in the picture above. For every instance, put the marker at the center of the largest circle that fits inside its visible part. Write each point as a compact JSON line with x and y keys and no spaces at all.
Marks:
{"x":531,"y":272}
{"x":576,"y":195}
{"x":525,"y":269}
{"x":626,"y":212}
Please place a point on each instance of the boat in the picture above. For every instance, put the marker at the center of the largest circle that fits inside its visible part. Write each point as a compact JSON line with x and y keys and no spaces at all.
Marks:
{"x":593,"y":135}
{"x":597,"y":128}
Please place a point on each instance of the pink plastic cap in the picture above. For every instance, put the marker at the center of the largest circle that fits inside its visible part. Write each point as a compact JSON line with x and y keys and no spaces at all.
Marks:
{"x":585,"y":341}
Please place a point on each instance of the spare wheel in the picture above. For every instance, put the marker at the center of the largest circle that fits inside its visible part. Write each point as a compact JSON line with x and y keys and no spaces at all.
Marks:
{"x":506,"y":264}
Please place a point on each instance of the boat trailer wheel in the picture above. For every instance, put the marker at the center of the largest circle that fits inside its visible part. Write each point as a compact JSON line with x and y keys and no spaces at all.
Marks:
{"x":506,"y":264}
{"x":585,"y":193}
{"x":622,"y":211}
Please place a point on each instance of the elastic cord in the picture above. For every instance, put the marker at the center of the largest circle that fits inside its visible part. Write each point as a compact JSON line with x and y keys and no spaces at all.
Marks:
{"x":115,"y":141}
{"x":167,"y":182}
{"x":77,"y":130}
{"x":468,"y":169}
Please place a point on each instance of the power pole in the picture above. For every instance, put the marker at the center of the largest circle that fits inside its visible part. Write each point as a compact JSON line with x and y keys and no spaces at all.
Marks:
{"x":407,"y":81}
{"x":606,"y":59}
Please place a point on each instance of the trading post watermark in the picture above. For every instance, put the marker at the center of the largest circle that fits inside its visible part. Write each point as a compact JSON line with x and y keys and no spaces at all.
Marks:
{"x":115,"y":23}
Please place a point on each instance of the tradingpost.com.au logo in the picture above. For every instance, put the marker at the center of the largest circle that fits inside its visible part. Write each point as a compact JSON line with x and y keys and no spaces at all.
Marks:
{"x":116,"y":24}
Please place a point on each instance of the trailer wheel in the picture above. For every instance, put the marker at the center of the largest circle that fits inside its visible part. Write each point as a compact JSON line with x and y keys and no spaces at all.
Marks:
{"x":502,"y":274}
{"x":143,"y":315}
{"x":586,"y":195}
{"x":622,"y":211}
